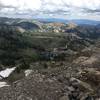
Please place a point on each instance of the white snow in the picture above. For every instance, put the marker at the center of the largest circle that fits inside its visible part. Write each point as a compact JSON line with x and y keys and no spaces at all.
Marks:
{"x":5,"y":73}
{"x":28,"y":72}
{"x":3,"y":84}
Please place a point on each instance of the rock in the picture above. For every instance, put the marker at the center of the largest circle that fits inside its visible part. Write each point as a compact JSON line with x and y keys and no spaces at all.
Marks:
{"x":64,"y":98}
{"x":70,"y":88}
{"x":92,"y":76}
{"x":90,"y":61}
{"x":22,"y":97}
{"x":80,"y":84}
{"x":80,"y":60}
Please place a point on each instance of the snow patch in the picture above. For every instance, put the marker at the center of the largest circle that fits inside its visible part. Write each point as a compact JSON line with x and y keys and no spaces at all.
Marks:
{"x":28,"y":72}
{"x":5,"y":73}
{"x":3,"y":84}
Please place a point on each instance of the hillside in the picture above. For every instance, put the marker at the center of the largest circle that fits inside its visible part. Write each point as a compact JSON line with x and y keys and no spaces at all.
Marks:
{"x":26,"y":36}
{"x":13,"y":44}
{"x":49,"y":61}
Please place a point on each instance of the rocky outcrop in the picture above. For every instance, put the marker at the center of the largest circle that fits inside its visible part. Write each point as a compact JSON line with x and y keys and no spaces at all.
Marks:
{"x":37,"y":86}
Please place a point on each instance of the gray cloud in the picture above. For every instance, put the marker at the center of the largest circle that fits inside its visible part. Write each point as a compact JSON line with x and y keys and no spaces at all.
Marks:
{"x":3,"y":6}
{"x":92,"y":11}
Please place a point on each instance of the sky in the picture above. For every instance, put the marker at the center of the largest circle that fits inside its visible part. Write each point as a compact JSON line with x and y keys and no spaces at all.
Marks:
{"x":65,"y":9}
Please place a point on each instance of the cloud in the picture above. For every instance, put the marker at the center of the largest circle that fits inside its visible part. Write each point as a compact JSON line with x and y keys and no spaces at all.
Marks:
{"x":22,"y":4}
{"x":91,"y":11}
{"x":54,"y":8}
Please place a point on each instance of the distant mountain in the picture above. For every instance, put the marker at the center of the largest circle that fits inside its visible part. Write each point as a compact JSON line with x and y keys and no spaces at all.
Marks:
{"x":27,"y":25}
{"x":98,"y":26}
{"x":85,"y":22}
{"x":77,"y":21}
{"x":10,"y":21}
{"x":22,"y":24}
{"x":49,"y":20}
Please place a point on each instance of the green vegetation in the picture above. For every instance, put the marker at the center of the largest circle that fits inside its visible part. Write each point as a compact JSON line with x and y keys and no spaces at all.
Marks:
{"x":15,"y":46}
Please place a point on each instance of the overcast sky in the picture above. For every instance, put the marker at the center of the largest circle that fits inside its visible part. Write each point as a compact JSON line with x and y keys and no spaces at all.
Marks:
{"x":67,"y":9}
